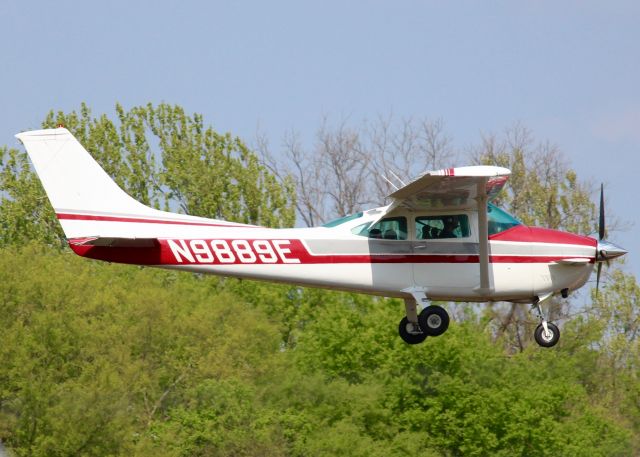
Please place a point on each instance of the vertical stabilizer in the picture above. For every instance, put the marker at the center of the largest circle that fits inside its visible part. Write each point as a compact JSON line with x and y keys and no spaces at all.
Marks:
{"x":88,"y":203}
{"x":72,"y":179}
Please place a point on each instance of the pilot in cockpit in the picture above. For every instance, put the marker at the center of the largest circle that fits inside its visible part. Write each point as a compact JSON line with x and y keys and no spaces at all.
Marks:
{"x":451,"y":223}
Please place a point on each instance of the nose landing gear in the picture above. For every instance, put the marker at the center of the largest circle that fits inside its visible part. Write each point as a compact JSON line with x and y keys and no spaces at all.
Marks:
{"x":547,"y":337}
{"x":546,"y":334}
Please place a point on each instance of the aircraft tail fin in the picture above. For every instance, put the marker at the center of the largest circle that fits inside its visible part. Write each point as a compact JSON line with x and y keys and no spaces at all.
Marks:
{"x":72,"y":179}
{"x":89,"y":204}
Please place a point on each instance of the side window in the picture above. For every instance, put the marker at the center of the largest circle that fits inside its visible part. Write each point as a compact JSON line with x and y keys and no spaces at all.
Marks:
{"x":389,"y":228}
{"x":439,"y":227}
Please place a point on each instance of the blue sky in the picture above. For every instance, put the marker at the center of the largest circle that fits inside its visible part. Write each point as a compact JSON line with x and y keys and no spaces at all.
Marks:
{"x":569,"y":71}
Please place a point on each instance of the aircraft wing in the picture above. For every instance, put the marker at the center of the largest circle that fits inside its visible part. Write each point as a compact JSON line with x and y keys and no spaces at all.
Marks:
{"x":452,"y":188}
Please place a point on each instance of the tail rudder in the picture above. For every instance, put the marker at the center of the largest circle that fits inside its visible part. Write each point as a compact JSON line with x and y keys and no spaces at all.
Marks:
{"x":90,"y":205}
{"x":72,"y":179}
{"x":74,"y":182}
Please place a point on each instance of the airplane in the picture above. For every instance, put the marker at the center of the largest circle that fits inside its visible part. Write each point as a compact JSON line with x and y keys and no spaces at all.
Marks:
{"x":440,"y":239}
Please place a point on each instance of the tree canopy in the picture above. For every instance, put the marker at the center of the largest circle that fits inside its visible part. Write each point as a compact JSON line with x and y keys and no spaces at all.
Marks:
{"x":162,"y":157}
{"x":106,"y":359}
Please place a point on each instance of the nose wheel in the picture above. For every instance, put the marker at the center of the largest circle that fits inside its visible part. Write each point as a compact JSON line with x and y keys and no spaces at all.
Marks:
{"x":547,"y":337}
{"x":546,"y":334}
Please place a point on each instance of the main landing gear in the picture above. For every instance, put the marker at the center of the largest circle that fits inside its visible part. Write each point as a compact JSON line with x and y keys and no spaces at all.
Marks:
{"x":414,"y":328}
{"x":433,"y":320}
{"x":546,"y":333}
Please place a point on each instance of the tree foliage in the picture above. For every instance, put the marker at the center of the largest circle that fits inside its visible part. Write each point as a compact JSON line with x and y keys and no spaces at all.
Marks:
{"x":166,"y":158}
{"x":110,"y":359}
{"x":350,"y":167}
{"x":104,"y":359}
{"x":25,"y":213}
{"x":162,"y":157}
{"x":543,"y":191}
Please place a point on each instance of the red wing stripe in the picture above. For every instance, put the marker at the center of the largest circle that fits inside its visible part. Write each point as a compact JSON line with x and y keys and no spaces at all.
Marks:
{"x":85,"y":217}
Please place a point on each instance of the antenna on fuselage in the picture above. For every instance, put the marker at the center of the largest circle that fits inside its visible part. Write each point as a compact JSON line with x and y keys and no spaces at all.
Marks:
{"x":396,"y":177}
{"x":390,"y":183}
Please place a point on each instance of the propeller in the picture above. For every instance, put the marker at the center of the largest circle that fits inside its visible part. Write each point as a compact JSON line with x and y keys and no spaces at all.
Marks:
{"x":605,"y":250}
{"x":601,"y":231}
{"x":601,"y":222}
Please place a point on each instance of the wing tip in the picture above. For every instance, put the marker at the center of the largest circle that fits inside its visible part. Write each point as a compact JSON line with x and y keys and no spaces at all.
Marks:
{"x":472,"y":171}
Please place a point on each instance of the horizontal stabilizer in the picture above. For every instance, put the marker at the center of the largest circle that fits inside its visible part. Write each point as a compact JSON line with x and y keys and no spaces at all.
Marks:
{"x":115,"y":242}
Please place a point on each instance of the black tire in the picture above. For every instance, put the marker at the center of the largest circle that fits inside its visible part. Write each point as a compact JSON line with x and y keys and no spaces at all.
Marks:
{"x":547,"y":341}
{"x":434,"y":320}
{"x":408,"y":336}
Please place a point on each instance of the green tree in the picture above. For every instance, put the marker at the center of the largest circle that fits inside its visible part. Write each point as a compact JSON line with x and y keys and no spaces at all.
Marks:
{"x":94,"y":358}
{"x":25,"y":212}
{"x":161,"y":156}
{"x":460,"y":394}
{"x":616,"y":313}
{"x":167,"y":158}
{"x":543,"y":190}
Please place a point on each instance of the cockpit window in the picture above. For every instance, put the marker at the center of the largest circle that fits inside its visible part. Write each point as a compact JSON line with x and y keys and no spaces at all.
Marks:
{"x":389,"y":228}
{"x":342,"y":220}
{"x":447,"y":226}
{"x":499,"y":220}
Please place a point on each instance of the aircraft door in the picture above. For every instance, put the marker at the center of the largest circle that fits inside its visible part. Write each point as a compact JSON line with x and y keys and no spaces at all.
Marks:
{"x":390,"y":248}
{"x":445,"y":252}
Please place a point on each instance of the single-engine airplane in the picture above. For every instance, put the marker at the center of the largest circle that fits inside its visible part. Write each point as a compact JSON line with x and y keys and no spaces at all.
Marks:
{"x":440,"y":238}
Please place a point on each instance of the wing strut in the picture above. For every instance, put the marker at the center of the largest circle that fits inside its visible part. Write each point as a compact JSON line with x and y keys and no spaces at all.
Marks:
{"x":483,"y":237}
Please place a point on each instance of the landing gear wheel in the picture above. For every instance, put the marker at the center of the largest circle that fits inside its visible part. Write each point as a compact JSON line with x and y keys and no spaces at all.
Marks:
{"x":434,"y":320}
{"x":547,"y":339}
{"x":409,"y":333}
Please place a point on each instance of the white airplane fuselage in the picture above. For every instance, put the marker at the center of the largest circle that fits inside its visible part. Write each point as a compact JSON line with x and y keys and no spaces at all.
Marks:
{"x":524,"y":262}
{"x":440,"y":238}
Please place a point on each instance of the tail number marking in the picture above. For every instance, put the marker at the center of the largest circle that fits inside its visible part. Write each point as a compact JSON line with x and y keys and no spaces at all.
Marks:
{"x":232,"y":251}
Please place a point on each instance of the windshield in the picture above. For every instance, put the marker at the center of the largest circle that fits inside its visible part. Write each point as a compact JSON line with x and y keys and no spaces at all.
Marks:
{"x":499,"y":220}
{"x":342,"y":220}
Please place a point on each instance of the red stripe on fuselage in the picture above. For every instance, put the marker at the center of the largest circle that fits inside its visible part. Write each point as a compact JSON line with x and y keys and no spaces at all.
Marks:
{"x":296,"y":254}
{"x":86,"y":217}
